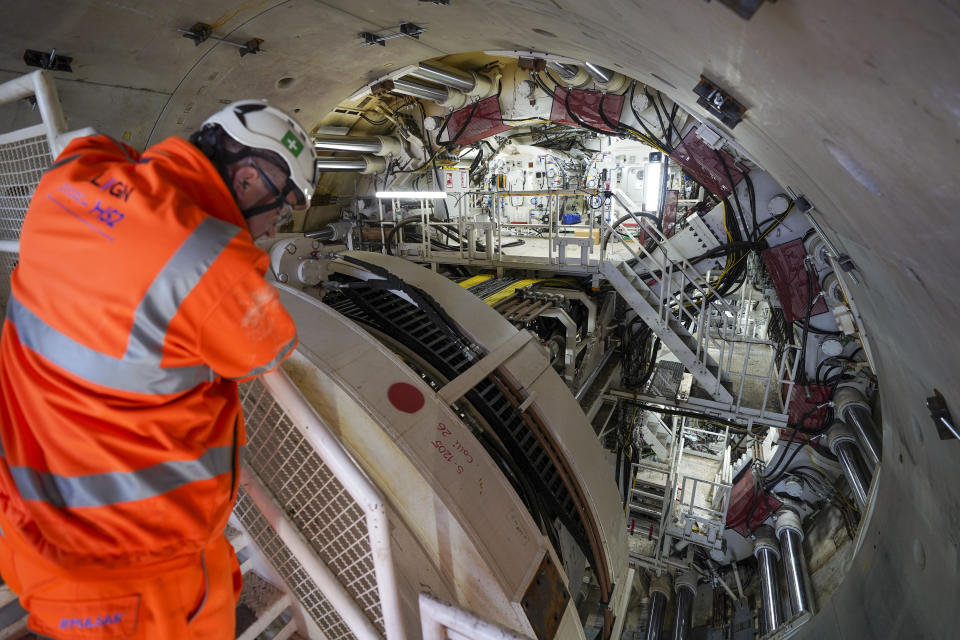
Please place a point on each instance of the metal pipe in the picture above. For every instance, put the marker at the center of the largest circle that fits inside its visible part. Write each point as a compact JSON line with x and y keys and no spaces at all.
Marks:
{"x":600,"y":74}
{"x":566,"y":71}
{"x":767,"y":552}
{"x":857,"y":480}
{"x":686,"y":586}
{"x":683,"y":619}
{"x":860,"y":419}
{"x":534,"y":311}
{"x":454,"y":78}
{"x":843,"y":444}
{"x":644,"y":616}
{"x":341,"y":164}
{"x":376,"y":145}
{"x":365,"y":164}
{"x":853,"y":407}
{"x":658,"y":605}
{"x":816,"y":225}
{"x":419,"y":90}
{"x":593,"y":375}
{"x":438,"y":617}
{"x":790,"y":534}
{"x":40,"y":84}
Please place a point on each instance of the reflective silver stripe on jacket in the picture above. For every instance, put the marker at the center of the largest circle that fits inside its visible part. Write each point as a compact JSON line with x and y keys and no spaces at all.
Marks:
{"x":104,"y":489}
{"x":173,"y":283}
{"x":139,"y":370}
{"x":287,"y":348}
{"x":100,"y":368}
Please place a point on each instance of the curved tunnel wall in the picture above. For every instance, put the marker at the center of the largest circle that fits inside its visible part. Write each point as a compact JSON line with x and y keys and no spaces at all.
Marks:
{"x":854,"y":104}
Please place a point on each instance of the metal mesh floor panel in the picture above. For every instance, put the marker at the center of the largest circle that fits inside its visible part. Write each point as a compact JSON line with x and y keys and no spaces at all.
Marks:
{"x":313,"y":498}
{"x":290,"y":569}
{"x":21,"y":164}
{"x":665,"y":381}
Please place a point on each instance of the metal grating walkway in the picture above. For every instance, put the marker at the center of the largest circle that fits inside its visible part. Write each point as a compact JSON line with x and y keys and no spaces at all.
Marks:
{"x":665,"y":381}
{"x":310,"y":597}
{"x":325,"y":514}
{"x":22,"y":163}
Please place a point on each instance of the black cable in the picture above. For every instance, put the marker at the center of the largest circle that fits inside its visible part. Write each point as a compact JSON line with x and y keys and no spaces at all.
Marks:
{"x":733,"y":189}
{"x":673,"y":114}
{"x":543,"y":85}
{"x":643,"y":124}
{"x":624,"y":218}
{"x":753,"y":205}
{"x":822,"y":332}
{"x":389,"y":239}
{"x":669,"y":131}
{"x":651,"y":363}
{"x":373,"y":122}
{"x":615,"y":128}
{"x":765,"y":484}
{"x":573,"y":116}
{"x":691,"y":414}
{"x":659,"y":117}
{"x":811,"y":302}
{"x":453,"y":141}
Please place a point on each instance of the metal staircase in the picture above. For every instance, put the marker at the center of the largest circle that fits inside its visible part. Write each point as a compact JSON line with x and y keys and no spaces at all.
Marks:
{"x":661,"y":313}
{"x":656,"y":434}
{"x":736,"y":375}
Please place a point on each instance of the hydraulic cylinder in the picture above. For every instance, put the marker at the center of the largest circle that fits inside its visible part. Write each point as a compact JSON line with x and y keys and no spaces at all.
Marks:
{"x":767,"y":552}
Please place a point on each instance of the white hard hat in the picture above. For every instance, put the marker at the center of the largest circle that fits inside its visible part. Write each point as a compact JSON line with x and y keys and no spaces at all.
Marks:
{"x":257,"y":125}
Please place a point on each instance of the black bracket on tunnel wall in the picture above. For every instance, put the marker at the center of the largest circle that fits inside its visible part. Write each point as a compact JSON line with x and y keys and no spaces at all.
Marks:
{"x":50,"y":61}
{"x":406,"y":29}
{"x":946,"y":427}
{"x":719,"y":103}
{"x":201,"y":32}
{"x":743,"y":8}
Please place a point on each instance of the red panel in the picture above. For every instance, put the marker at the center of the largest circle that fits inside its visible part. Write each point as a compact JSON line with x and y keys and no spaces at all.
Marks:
{"x":405,"y":397}
{"x":741,"y":496}
{"x":485,"y":122}
{"x":586,"y":106}
{"x":670,"y":212}
{"x":785,"y":266}
{"x":701,"y":162}
{"x":800,"y":404}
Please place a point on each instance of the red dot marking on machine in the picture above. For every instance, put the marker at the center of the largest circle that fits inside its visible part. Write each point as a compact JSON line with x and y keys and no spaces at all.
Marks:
{"x":405,"y":397}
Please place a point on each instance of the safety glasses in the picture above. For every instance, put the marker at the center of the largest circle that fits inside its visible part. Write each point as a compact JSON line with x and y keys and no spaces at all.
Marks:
{"x":289,"y":187}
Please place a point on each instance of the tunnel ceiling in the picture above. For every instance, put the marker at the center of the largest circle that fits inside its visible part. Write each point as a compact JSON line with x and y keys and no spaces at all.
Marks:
{"x":855,"y":104}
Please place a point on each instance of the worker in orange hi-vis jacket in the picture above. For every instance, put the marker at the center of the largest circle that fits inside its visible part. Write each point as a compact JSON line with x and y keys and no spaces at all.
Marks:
{"x":138,"y":304}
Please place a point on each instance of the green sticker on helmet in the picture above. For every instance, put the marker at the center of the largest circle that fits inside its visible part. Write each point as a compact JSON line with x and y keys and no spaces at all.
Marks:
{"x":290,"y":142}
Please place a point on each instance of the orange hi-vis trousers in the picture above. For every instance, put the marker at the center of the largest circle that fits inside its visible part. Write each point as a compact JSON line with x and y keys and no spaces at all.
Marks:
{"x":189,"y":598}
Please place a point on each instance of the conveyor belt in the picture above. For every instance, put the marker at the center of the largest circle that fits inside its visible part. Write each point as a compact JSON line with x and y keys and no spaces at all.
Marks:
{"x":428,"y":332}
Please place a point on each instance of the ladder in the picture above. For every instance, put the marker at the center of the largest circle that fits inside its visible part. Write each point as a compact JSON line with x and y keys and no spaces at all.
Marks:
{"x":649,"y":504}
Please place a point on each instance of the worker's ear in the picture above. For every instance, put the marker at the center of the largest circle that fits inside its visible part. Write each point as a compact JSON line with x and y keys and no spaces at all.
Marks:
{"x":244,"y":177}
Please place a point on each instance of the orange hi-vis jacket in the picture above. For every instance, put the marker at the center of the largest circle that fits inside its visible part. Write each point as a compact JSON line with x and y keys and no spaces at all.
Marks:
{"x":138,"y":302}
